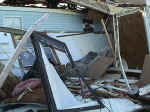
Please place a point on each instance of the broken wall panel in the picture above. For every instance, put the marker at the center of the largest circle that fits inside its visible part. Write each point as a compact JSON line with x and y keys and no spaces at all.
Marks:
{"x":59,"y":20}
{"x":80,"y":45}
{"x":133,"y":39}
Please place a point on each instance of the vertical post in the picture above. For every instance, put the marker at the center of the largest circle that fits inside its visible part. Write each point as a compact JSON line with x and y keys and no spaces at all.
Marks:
{"x":115,"y":42}
{"x":55,"y":56}
{"x":146,"y":15}
{"x":69,"y":56}
{"x":108,"y":37}
{"x":116,"y":34}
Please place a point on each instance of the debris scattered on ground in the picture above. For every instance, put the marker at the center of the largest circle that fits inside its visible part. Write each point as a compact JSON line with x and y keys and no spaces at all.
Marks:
{"x":101,"y":77}
{"x":9,"y":84}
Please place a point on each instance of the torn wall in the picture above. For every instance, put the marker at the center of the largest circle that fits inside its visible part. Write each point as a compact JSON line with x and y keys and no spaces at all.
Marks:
{"x":132,"y":39}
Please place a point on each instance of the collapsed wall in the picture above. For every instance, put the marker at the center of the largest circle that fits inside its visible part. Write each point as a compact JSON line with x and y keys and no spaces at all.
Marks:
{"x":133,"y":42}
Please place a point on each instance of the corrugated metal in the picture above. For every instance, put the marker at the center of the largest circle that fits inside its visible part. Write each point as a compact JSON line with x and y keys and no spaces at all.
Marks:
{"x":57,"y":21}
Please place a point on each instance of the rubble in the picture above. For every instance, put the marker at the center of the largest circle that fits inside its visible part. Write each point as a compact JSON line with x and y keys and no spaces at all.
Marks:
{"x":81,"y":74}
{"x":8,"y":87}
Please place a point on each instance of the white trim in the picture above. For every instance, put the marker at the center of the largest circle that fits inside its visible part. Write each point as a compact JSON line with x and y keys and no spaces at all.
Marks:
{"x":146,"y":15}
{"x":44,"y":10}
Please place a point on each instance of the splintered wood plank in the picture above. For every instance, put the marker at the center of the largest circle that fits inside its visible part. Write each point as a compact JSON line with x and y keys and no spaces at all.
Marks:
{"x":12,"y":30}
{"x":108,"y":37}
{"x":6,"y":70}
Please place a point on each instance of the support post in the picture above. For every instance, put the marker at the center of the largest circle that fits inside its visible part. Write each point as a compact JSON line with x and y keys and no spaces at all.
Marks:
{"x":55,"y":56}
{"x":146,"y":17}
{"x":118,"y":55}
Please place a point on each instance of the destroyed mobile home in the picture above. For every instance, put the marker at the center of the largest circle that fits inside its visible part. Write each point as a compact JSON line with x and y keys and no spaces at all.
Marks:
{"x":59,"y":60}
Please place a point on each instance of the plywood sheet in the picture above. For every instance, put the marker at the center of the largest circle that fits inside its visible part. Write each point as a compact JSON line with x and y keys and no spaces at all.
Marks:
{"x":99,"y":67}
{"x":133,"y":42}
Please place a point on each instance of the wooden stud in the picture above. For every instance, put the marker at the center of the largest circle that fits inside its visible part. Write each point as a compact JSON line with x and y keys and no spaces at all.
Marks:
{"x":108,"y":37}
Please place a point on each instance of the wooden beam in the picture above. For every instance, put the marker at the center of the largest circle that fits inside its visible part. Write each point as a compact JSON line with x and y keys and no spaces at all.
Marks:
{"x":93,"y":5}
{"x":108,"y":37}
{"x":6,"y":70}
{"x":135,"y":2}
{"x":55,"y":56}
{"x":102,"y":6}
{"x":12,"y":30}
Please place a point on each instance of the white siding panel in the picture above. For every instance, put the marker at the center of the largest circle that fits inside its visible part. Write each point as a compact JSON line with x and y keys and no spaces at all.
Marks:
{"x":80,"y":45}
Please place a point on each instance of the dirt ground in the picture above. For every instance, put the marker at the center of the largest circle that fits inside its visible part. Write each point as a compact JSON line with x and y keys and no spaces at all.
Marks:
{"x":133,"y":40}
